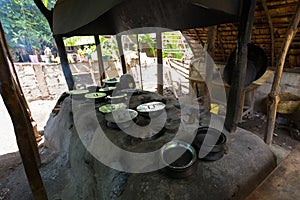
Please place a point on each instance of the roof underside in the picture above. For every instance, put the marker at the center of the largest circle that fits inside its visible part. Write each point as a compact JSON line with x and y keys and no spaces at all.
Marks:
{"x":109,"y":17}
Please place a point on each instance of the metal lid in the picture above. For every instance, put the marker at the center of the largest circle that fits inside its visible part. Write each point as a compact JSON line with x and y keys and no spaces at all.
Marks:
{"x":75,"y":92}
{"x":108,"y":108}
{"x":151,"y":107}
{"x":122,"y":115}
{"x":94,"y":95}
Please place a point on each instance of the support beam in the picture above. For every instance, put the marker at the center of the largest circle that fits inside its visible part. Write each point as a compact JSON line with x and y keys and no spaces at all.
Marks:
{"x":234,"y":102}
{"x":212,"y":34}
{"x":122,"y":56}
{"x":100,"y":59}
{"x":160,"y":71}
{"x":14,"y":102}
{"x":140,"y":63}
{"x":264,"y":4}
{"x":273,"y":97}
{"x":64,"y":61}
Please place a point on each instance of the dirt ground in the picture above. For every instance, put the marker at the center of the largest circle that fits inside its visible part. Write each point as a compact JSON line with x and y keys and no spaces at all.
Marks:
{"x":13,"y":182}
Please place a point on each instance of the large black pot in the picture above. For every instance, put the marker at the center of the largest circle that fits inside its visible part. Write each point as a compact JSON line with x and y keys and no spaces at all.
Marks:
{"x":256,"y":66}
{"x":203,"y":141}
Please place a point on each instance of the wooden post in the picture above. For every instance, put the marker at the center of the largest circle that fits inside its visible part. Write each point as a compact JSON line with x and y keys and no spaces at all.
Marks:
{"x":273,"y":97}
{"x":271,"y":30}
{"x":21,"y":120}
{"x":140,"y":63}
{"x":122,"y":56}
{"x":212,"y":33}
{"x":100,"y":60}
{"x":234,"y":102}
{"x":64,"y":61}
{"x":160,"y":72}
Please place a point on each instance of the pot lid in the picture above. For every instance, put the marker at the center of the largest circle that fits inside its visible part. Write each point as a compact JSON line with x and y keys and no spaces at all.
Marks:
{"x":111,"y":80}
{"x":74,"y":92}
{"x":117,"y":96}
{"x":95,"y":95}
{"x":108,"y":108}
{"x":106,"y":89}
{"x":151,"y":107}
{"x":121,"y":116}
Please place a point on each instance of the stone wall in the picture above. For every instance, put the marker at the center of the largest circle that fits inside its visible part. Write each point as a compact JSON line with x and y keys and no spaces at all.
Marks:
{"x":41,"y":80}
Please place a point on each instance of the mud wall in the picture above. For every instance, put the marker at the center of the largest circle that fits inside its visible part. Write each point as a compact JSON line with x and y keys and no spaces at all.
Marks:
{"x":41,"y":80}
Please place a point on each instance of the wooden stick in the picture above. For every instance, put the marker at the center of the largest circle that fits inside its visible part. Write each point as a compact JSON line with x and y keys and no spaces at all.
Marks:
{"x":21,"y":121}
{"x":271,"y":27}
{"x":234,"y":103}
{"x":122,"y":56}
{"x":273,"y":97}
{"x":160,"y":72}
{"x":100,"y":60}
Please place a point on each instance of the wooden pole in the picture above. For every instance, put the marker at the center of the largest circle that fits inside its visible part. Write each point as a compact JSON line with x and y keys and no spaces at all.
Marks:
{"x":160,"y":72}
{"x":234,"y":102}
{"x":273,"y":97}
{"x":21,"y":120}
{"x":64,"y":61}
{"x":212,"y":34}
{"x":122,"y":56}
{"x":271,"y":30}
{"x":140,"y":63}
{"x":100,"y":60}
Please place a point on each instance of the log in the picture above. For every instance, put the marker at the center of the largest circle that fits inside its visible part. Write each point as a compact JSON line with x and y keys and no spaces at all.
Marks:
{"x":271,"y":30}
{"x":234,"y":102}
{"x":122,"y":56}
{"x":21,"y":120}
{"x":273,"y":97}
{"x":160,"y":72}
{"x":100,"y":60}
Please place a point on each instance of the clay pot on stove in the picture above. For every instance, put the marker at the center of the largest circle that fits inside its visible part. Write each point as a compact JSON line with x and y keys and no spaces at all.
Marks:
{"x":96,"y":97}
{"x":211,"y":142}
{"x":151,"y":109}
{"x":107,"y":90}
{"x":179,"y":159}
{"x":111,"y":82}
{"x":123,"y":118}
{"x":77,"y":94}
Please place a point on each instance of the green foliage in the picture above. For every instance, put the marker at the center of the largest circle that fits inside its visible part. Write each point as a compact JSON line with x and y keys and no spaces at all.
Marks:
{"x":146,"y":38}
{"x":24,"y":25}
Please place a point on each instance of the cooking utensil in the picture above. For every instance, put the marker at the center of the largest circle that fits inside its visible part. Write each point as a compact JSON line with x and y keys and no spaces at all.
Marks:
{"x":122,"y":119}
{"x":151,"y":109}
{"x":111,"y":82}
{"x":95,"y":96}
{"x":77,"y":94}
{"x":107,"y":90}
{"x":108,"y":108}
{"x":204,"y":142}
{"x":179,"y":158}
{"x":117,"y":99}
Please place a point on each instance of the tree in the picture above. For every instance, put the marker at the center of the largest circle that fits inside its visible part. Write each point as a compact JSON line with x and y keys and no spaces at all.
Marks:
{"x":24,"y":25}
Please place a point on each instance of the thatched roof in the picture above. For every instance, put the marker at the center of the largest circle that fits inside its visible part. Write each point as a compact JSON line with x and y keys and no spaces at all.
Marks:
{"x":281,"y":13}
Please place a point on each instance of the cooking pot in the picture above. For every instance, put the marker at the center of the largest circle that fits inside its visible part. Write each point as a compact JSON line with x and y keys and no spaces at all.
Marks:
{"x":108,"y":108}
{"x":77,"y":94}
{"x":123,"y":118}
{"x":204,"y":142}
{"x":107,"y":90}
{"x":110,"y":82}
{"x":256,"y":66}
{"x":179,"y":158}
{"x":98,"y":97}
{"x":120,"y":98}
{"x":151,"y":109}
